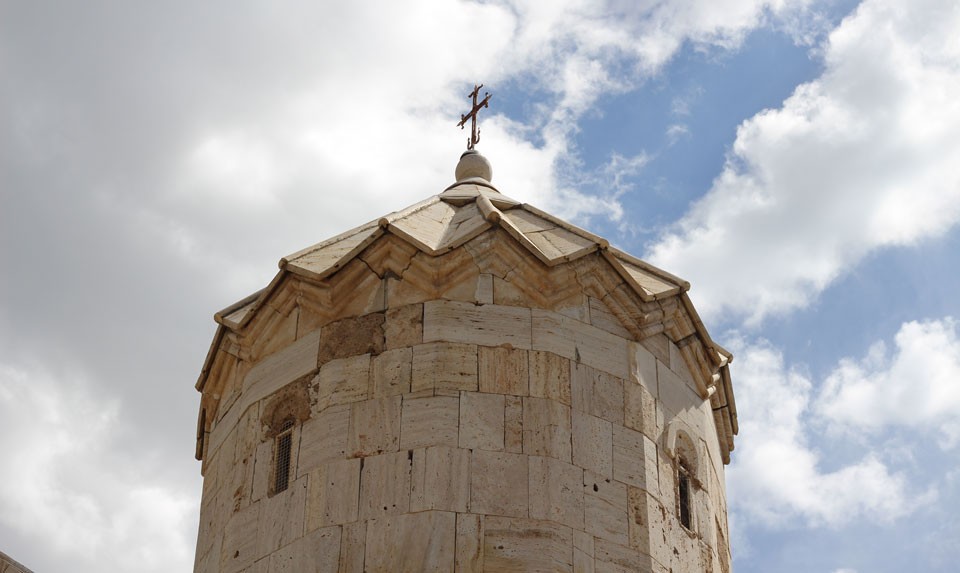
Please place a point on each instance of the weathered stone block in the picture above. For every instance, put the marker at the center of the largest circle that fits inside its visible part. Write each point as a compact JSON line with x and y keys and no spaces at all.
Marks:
{"x":592,"y":443}
{"x":597,"y":393}
{"x":640,"y":410}
{"x":391,"y":373}
{"x":282,"y":518}
{"x":481,"y":421}
{"x":605,"y":508}
{"x":430,"y":421}
{"x":279,"y":369}
{"x":374,"y":426}
{"x":469,"y":549}
{"x":580,"y":342}
{"x":498,"y":483}
{"x":353,"y":547}
{"x":404,"y":326}
{"x":340,"y":381}
{"x":444,"y":366}
{"x":486,"y":325}
{"x":546,"y":428}
{"x":634,"y":459}
{"x":318,"y":552}
{"x":333,"y":493}
{"x":513,"y":424}
{"x":582,"y":552}
{"x":427,"y":540}
{"x":550,"y":376}
{"x":504,"y":371}
{"x":556,"y":491}
{"x":385,"y":484}
{"x":351,"y":337}
{"x":441,"y":479}
{"x":323,"y":438}
{"x":239,"y":548}
{"x":520,"y":545}
{"x":614,"y":557}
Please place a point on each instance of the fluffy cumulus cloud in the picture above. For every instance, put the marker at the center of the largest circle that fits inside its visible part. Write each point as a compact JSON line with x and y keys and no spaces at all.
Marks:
{"x":67,"y":484}
{"x":864,"y":157}
{"x":777,"y":476}
{"x":914,"y":385}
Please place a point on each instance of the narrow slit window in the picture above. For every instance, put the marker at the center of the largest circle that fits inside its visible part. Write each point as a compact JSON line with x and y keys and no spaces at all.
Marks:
{"x":284,"y":445}
{"x":683,"y":495}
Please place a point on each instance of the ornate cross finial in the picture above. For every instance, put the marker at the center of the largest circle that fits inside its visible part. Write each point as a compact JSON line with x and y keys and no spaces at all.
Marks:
{"x":472,"y":116}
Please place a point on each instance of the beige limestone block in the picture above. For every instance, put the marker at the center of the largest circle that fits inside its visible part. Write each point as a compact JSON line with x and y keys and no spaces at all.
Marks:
{"x":486,"y":325}
{"x":597,"y":393}
{"x":498,"y":483}
{"x":441,"y":479}
{"x":374,"y":427}
{"x":503,"y":371}
{"x":444,"y":366}
{"x":318,"y":552}
{"x":352,"y":337}
{"x":550,"y":376}
{"x":643,"y":367}
{"x":248,"y":433}
{"x":667,"y":479}
{"x":430,"y":421}
{"x":262,"y":471}
{"x":582,"y":552}
{"x":391,"y":373}
{"x":239,"y":548}
{"x":580,"y":342}
{"x":556,"y":491}
{"x":517,"y":545}
{"x":659,"y":346}
{"x":640,"y":410}
{"x":605,"y":508}
{"x":651,"y":531}
{"x":385,"y":484}
{"x":592,"y":443}
{"x":281,"y":368}
{"x":481,"y":421}
{"x":634,"y":459}
{"x":612,"y":557}
{"x":484,"y":292}
{"x":282,"y":518}
{"x":513,"y":424}
{"x":340,"y":381}
{"x":546,"y":428}
{"x":404,"y":326}
{"x":353,"y":547}
{"x":677,"y":395}
{"x":322,"y":438}
{"x":603,"y":318}
{"x":333,"y":493}
{"x":427,"y":541}
{"x":469,"y":548}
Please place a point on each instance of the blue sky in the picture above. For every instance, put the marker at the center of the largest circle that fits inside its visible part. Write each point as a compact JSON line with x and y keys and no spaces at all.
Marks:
{"x":796,"y":160}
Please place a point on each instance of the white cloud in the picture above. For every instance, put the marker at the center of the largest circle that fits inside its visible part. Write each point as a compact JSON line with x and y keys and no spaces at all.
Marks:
{"x":915,"y":385}
{"x":864,"y":157}
{"x":67,"y":485}
{"x":776,"y":476}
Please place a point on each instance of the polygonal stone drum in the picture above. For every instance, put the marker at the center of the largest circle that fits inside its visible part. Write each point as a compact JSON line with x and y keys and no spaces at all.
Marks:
{"x":467,"y":385}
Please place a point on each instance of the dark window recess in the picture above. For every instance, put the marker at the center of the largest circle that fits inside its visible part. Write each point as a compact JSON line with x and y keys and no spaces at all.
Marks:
{"x":683,"y":496}
{"x":283,"y":445}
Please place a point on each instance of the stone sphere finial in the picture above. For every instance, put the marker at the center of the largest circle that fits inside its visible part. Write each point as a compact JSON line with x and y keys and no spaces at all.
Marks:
{"x":472,"y":164}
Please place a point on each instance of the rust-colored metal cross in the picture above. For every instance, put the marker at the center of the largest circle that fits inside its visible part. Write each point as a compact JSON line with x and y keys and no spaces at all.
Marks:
{"x":472,"y":116}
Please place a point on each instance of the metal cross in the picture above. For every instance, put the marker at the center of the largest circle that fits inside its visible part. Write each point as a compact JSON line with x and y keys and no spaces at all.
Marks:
{"x":472,"y":116}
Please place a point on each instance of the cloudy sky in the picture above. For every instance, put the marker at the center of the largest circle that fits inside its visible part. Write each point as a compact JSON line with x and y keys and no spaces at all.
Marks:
{"x":797,"y":160}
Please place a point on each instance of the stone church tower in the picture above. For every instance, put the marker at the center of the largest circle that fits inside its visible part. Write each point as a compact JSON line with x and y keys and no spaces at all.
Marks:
{"x":469,"y":384}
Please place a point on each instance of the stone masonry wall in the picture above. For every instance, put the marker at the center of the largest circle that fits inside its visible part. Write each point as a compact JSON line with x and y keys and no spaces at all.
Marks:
{"x":448,"y":436}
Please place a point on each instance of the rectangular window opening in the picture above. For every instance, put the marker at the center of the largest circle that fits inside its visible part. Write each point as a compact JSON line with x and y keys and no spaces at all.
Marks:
{"x":282,"y":475}
{"x":683,"y":496}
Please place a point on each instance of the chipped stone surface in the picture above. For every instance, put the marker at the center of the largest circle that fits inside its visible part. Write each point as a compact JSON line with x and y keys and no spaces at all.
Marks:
{"x":340,"y":381}
{"x":385,"y":484}
{"x":403,"y":326}
{"x":605,"y":508}
{"x":351,"y":337}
